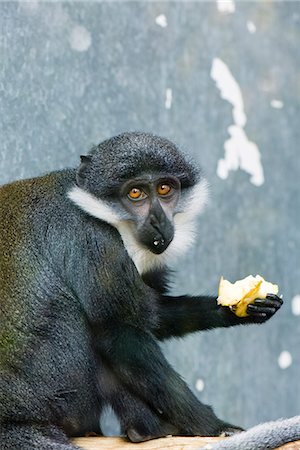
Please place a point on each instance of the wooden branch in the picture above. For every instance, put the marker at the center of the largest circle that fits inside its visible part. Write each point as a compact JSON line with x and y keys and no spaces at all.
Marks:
{"x":291,"y":446}
{"x":173,"y":443}
{"x":116,"y":443}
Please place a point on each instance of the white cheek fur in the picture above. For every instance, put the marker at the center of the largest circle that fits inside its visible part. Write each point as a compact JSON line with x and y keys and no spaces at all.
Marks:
{"x":144,"y":260}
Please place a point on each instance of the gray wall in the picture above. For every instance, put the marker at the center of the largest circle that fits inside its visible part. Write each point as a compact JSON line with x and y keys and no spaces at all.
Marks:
{"x":72,"y":74}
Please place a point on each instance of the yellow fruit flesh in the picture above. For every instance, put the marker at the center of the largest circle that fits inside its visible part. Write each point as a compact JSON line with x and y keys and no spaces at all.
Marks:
{"x":240,"y":294}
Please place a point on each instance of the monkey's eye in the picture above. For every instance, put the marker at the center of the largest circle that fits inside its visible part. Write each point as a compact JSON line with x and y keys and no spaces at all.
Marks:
{"x":164,"y":189}
{"x":136,"y":194}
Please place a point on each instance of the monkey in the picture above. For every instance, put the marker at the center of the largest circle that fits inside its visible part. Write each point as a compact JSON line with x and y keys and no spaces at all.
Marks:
{"x":84,"y":297}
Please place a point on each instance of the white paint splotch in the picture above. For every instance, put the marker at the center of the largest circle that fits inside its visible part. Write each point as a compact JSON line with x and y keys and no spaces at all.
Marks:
{"x":161,"y":20}
{"x":285,"y":360}
{"x":229,"y":90}
{"x":226,"y":6}
{"x":277,"y":104}
{"x":169,"y":97}
{"x":200,"y":385}
{"x":296,"y":305}
{"x":251,"y":27}
{"x":240,"y":152}
{"x":80,"y":38}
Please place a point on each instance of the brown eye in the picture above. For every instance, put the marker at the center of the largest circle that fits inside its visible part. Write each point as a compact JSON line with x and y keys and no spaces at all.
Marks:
{"x":163,"y":189}
{"x":136,"y":194}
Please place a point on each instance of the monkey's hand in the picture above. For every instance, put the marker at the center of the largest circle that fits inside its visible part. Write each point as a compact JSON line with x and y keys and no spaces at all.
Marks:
{"x":263,"y":309}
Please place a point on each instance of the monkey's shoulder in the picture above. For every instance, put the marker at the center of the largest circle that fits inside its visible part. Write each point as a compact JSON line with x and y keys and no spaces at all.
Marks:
{"x":40,"y":207}
{"x":34,"y":192}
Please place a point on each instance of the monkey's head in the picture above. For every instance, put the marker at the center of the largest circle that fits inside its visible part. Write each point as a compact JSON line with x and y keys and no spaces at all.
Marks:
{"x":141,"y":183}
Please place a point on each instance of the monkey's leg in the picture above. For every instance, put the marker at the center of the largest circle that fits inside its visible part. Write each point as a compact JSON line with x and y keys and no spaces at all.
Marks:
{"x":30,"y":402}
{"x":138,"y":421}
{"x":18,"y":436}
{"x":137,"y":361}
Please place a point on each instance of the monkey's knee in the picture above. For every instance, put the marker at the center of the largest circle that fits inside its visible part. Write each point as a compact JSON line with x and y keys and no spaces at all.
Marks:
{"x":20,"y":436}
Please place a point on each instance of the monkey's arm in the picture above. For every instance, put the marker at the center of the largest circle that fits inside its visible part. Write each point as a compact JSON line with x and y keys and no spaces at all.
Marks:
{"x":182,"y":315}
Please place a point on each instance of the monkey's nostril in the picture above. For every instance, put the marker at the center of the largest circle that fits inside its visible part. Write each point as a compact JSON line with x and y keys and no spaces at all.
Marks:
{"x":158,"y":241}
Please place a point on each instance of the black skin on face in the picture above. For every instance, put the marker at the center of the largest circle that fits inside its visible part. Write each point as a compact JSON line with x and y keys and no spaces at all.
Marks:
{"x":151,"y":202}
{"x":80,"y":327}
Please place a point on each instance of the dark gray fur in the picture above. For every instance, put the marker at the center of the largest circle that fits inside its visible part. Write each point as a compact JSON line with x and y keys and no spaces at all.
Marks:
{"x":130,"y":154}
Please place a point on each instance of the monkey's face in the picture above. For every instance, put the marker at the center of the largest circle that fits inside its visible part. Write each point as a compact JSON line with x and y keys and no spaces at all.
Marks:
{"x":151,"y":202}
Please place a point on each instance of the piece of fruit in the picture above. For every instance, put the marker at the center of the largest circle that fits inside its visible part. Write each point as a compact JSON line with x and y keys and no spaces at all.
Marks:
{"x":240,"y":294}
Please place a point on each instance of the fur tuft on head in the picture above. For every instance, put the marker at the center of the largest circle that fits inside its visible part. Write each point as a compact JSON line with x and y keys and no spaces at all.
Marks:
{"x":127,"y":155}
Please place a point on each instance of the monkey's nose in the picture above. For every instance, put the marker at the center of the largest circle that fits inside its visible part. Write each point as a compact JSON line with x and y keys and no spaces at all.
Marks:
{"x":158,"y":241}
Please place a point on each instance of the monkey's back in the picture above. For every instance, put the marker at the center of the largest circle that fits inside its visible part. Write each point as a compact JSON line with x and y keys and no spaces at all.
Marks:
{"x":27,"y":209}
{"x":43,"y":333}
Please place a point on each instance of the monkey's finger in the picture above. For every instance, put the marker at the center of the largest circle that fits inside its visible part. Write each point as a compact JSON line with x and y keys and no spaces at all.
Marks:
{"x":260,"y":310}
{"x":260,"y":316}
{"x":275,"y":297}
{"x":271,"y":303}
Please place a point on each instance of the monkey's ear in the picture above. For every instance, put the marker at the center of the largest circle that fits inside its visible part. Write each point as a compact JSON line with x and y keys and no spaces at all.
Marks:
{"x":85,"y":159}
{"x":81,"y":172}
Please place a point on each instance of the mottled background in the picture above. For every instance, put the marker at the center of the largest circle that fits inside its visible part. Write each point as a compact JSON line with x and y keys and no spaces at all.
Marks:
{"x":72,"y":74}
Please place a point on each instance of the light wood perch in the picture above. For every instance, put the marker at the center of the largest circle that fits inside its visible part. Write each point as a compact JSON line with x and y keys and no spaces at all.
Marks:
{"x":172,"y":443}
